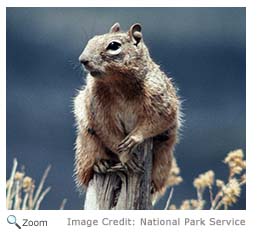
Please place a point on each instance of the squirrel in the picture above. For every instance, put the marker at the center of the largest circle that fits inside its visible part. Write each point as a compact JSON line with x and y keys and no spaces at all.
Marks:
{"x":126,"y":100}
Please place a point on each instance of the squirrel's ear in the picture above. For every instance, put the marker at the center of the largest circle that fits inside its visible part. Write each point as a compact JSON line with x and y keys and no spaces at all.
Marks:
{"x":115,"y":28}
{"x":135,"y":33}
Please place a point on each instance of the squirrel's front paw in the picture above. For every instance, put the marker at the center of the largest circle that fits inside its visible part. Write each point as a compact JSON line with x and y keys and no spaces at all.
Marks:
{"x":101,"y":166}
{"x":129,"y":143}
{"x":104,"y":166}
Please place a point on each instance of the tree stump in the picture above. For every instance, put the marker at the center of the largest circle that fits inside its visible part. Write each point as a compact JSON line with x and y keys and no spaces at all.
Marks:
{"x":123,"y":189}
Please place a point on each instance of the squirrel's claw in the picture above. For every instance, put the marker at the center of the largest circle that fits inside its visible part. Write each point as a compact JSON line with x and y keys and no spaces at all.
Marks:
{"x":118,"y":167}
{"x":101,"y":166}
{"x":135,"y":166}
{"x":129,"y":143}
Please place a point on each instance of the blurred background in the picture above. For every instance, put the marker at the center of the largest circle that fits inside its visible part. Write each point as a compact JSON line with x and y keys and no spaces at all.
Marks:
{"x":203,"y":49}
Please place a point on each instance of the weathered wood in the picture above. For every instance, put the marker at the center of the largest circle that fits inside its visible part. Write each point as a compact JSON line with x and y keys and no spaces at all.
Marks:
{"x":122,"y":188}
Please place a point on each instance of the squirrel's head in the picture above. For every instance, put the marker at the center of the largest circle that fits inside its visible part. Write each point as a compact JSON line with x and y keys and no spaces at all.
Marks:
{"x":115,"y":52}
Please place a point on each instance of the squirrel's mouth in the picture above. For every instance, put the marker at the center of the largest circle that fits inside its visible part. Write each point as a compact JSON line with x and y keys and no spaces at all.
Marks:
{"x":95,"y":73}
{"x":92,"y":70}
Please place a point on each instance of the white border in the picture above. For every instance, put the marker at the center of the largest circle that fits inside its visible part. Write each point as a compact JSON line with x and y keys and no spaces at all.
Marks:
{"x":57,"y":218}
{"x":2,"y":104}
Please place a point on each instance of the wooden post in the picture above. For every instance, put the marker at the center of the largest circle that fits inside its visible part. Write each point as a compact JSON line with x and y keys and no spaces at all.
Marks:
{"x":123,"y":189}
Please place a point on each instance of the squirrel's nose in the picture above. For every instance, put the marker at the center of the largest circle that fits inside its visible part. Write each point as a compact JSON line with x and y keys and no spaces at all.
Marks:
{"x":84,"y":61}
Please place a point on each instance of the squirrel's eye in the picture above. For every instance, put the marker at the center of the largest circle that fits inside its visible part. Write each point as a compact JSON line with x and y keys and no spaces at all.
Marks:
{"x":114,"y":46}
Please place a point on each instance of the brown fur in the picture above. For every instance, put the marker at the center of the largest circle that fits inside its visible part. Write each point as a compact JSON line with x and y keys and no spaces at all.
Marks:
{"x":127,"y":99}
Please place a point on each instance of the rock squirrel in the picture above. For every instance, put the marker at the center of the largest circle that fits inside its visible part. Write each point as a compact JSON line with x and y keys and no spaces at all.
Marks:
{"x":126,"y":99}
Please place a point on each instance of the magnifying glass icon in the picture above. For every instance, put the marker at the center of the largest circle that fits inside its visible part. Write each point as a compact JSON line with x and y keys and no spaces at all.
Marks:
{"x":11,"y":219}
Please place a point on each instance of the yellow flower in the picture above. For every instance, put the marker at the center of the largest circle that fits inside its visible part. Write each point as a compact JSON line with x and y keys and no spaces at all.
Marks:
{"x":173,"y":207}
{"x":219,"y":183}
{"x":18,"y":176}
{"x":197,"y":183}
{"x":236,"y":170}
{"x":185,"y":205}
{"x":230,"y":192}
{"x":204,"y":180}
{"x":235,"y":155}
{"x":192,"y":204}
{"x":27,"y":182}
{"x":243,"y":178}
{"x":235,"y":162}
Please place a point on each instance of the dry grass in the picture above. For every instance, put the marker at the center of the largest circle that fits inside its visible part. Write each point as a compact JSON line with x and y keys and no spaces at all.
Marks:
{"x":222,"y":194}
{"x":22,"y":193}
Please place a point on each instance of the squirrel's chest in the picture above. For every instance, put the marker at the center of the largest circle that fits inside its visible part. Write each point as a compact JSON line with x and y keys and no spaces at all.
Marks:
{"x":126,"y":117}
{"x":117,"y":115}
